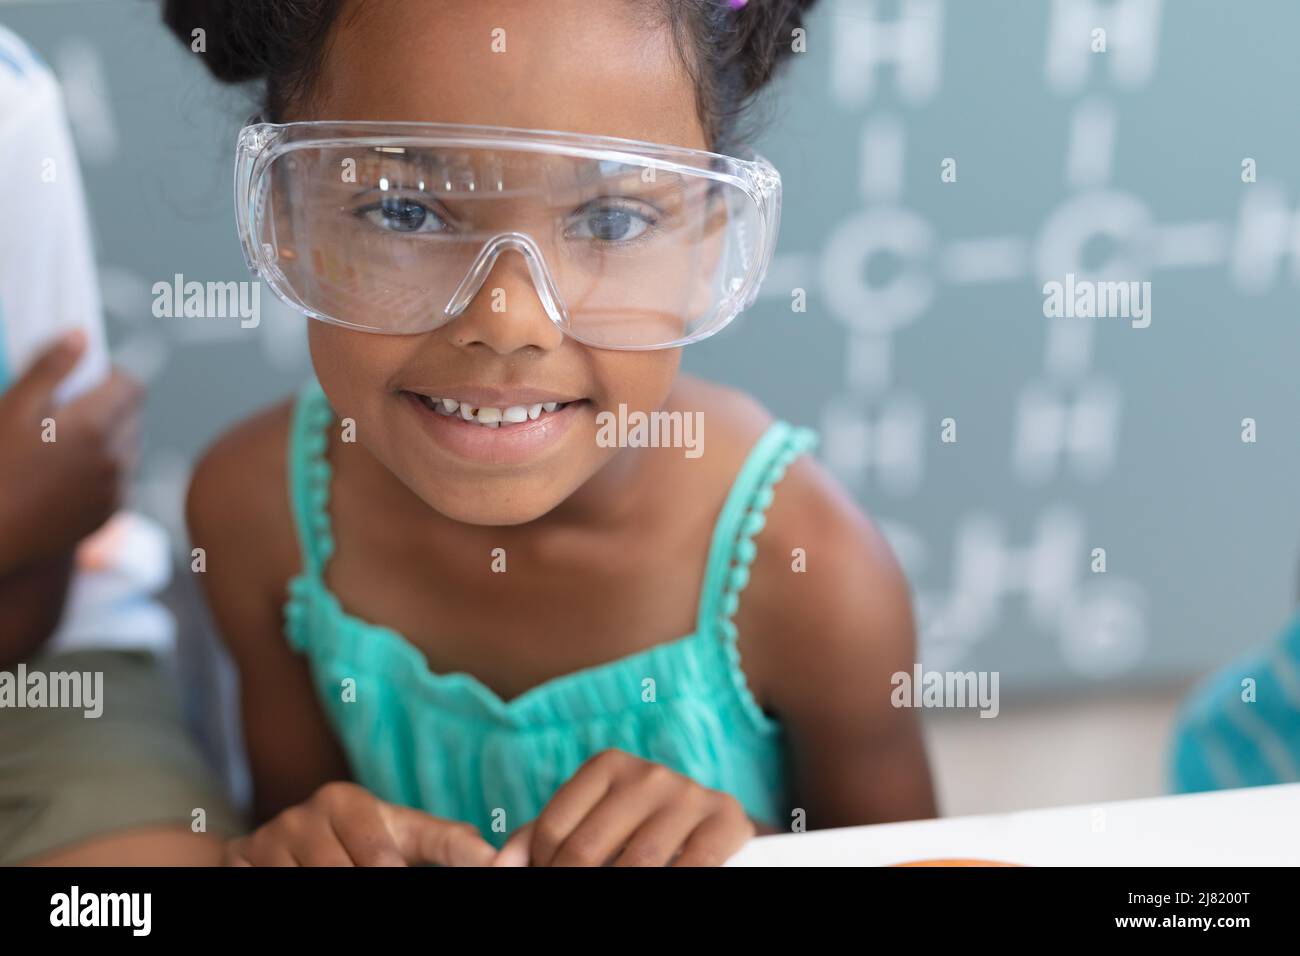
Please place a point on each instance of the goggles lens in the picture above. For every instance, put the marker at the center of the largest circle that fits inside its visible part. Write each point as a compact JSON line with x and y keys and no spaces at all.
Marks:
{"x":399,"y":234}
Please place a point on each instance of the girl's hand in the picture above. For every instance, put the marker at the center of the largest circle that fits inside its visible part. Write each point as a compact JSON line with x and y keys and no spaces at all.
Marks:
{"x":627,"y":811}
{"x":345,"y":825}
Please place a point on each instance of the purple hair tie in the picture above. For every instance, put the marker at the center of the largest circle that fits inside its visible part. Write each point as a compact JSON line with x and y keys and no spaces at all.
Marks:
{"x":736,"y":4}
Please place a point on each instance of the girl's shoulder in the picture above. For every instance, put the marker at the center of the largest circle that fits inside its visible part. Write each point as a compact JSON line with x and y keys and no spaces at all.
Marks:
{"x":238,"y":499}
{"x":239,"y":512}
{"x":823,"y":584}
{"x":808,"y":504}
{"x":731,"y":422}
{"x":809,"y":507}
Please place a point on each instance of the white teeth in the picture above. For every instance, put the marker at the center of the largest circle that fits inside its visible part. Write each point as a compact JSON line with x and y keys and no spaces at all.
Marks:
{"x":488,"y":416}
{"x":432,"y":404}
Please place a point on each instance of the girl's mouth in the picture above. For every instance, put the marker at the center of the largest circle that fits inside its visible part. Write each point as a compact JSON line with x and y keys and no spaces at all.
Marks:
{"x":494,"y":434}
{"x":490,"y":416}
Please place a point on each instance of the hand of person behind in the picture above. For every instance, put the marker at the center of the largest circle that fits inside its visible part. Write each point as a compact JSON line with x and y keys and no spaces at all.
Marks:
{"x":55,"y":492}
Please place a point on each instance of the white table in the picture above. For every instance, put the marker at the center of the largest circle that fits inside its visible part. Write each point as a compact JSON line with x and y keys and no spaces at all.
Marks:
{"x":1258,"y":826}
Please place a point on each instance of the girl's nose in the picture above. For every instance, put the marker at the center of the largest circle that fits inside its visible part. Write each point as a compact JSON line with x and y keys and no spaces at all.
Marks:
{"x":503,"y":303}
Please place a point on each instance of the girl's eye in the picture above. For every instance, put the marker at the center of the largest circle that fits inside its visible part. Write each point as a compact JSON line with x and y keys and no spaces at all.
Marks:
{"x":607,"y":221}
{"x":399,"y":214}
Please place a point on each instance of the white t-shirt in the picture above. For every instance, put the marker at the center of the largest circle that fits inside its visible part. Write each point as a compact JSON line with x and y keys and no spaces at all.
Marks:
{"x":48,"y":286}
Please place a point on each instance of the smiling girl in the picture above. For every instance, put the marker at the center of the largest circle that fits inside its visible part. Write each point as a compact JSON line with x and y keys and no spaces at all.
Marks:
{"x":467,"y":630}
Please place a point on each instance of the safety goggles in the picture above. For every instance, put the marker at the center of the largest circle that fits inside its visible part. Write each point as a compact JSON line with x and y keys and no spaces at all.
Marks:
{"x":397,"y":227}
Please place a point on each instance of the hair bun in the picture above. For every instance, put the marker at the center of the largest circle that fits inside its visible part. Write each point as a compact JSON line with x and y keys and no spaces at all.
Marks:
{"x":248,"y":39}
{"x":763,"y":37}
{"x":226,"y":50}
{"x":243,"y":40}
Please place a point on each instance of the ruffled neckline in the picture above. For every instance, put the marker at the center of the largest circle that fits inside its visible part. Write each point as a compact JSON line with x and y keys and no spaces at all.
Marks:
{"x":314,"y":615}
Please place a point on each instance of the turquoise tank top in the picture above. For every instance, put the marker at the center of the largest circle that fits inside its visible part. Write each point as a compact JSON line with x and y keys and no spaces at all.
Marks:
{"x":447,"y":744}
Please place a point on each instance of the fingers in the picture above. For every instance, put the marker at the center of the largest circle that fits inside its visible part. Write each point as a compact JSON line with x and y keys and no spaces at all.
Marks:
{"x":109,"y":403}
{"x":632,"y":812}
{"x":569,"y":806}
{"x":345,"y":825}
{"x":123,"y":443}
{"x":660,"y":838}
{"x":261,"y":848}
{"x":606,"y":829}
{"x":310,"y":839}
{"x":107,"y":418}
{"x":232,"y":853}
{"x":365,"y":836}
{"x":516,"y":851}
{"x":421,"y":838}
{"x":339,"y":826}
{"x":62,"y":485}
{"x":715,"y":840}
{"x":37,"y":384}
{"x":120,"y":399}
{"x":645,"y":819}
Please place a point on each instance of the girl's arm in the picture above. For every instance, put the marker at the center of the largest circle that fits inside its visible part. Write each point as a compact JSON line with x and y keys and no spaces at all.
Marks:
{"x":820,"y":648}
{"x":238,"y":512}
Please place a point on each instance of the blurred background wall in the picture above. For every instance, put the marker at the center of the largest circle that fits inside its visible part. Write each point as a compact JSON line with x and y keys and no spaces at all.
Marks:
{"x":942,"y":161}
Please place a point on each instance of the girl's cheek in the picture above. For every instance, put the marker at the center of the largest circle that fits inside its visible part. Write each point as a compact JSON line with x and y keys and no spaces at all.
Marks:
{"x":326,"y":348}
{"x":352,"y":367}
{"x":640,"y":380}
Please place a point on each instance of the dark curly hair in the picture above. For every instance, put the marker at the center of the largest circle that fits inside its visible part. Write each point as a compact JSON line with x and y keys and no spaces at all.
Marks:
{"x":730,"y":55}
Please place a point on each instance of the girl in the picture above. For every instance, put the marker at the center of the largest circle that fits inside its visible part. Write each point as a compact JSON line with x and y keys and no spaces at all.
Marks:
{"x":459,"y":627}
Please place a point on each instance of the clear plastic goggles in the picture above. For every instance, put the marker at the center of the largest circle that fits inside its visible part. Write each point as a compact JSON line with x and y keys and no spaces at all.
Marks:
{"x":396,"y":227}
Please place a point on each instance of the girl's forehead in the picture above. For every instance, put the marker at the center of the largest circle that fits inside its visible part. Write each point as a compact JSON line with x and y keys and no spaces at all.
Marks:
{"x":576,"y":65}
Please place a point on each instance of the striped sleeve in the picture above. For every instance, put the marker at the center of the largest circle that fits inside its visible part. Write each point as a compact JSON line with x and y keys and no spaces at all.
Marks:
{"x":1241,"y":728}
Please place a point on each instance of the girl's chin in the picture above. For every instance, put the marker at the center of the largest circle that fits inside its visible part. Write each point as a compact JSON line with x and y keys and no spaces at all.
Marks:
{"x":508,"y":509}
{"x":479,"y":497}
